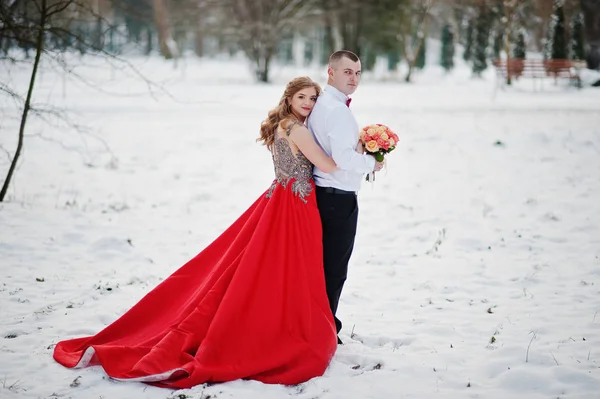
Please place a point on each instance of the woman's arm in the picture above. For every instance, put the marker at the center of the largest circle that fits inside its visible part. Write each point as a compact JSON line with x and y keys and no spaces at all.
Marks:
{"x":300,"y":135}
{"x":360,"y":148}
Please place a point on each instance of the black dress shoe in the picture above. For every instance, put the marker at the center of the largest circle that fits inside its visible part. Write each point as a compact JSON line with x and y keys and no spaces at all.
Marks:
{"x":340,"y":341}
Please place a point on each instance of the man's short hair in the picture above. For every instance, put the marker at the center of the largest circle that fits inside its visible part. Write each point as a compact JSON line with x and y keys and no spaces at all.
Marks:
{"x":338,"y":55}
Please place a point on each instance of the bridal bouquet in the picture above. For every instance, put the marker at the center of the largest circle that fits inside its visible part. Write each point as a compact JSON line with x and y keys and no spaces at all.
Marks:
{"x":378,"y":139}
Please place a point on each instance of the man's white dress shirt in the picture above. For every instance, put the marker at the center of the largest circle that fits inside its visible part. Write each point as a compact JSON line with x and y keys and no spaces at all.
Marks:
{"x":335,"y":130}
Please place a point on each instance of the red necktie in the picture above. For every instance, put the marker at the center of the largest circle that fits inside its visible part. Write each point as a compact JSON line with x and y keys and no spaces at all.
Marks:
{"x":348,"y":102}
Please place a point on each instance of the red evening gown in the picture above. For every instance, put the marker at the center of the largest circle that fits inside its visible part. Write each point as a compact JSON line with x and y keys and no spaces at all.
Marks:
{"x":251,"y":305}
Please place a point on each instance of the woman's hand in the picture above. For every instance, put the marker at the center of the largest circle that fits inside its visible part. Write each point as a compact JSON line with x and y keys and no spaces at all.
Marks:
{"x":359,"y":147}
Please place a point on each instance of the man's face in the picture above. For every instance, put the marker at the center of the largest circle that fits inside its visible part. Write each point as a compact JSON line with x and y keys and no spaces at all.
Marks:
{"x":344,"y":75}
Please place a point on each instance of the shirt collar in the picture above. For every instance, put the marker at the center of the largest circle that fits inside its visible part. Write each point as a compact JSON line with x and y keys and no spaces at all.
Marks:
{"x":336,"y":93}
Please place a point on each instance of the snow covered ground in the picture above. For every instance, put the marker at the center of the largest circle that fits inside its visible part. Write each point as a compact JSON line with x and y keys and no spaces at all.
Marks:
{"x":476,"y":272}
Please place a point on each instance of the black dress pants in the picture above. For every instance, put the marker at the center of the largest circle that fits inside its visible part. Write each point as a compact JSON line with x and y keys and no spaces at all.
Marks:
{"x":339,"y":217}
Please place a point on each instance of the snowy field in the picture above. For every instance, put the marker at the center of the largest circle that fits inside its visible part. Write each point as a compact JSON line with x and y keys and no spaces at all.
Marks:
{"x":476,"y":272}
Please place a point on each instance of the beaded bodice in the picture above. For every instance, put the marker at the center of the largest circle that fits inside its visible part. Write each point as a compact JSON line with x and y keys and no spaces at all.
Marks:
{"x":291,"y":166}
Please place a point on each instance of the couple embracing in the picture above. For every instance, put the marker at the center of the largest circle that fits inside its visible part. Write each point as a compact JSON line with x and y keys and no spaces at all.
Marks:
{"x":260,"y":301}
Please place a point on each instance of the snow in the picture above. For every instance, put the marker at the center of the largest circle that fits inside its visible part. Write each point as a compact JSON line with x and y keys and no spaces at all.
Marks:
{"x":476,"y":271}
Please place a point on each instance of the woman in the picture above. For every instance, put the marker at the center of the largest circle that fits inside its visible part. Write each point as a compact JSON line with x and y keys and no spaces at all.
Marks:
{"x":252,"y":304}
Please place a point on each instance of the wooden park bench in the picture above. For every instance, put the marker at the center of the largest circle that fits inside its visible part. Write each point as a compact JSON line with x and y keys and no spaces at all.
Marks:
{"x":539,"y":69}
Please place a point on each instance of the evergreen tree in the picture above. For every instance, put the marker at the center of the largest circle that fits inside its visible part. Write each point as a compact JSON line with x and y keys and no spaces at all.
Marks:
{"x":380,"y":29}
{"x":308,"y":52}
{"x":498,"y":42}
{"x":137,"y":15}
{"x":420,"y":59}
{"x":577,"y":39}
{"x":468,"y":41}
{"x":559,"y":34}
{"x":369,"y":58}
{"x":447,"y":56}
{"x":519,"y":50}
{"x":286,"y":49}
{"x":393,"y":59}
{"x":480,"y":45}
{"x":326,"y":49}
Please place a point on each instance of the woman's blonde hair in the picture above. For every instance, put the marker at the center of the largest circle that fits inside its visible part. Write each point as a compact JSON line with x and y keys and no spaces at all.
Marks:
{"x":283,"y":110}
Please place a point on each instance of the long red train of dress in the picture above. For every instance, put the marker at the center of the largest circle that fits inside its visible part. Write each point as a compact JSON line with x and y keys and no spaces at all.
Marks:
{"x":251,"y":305}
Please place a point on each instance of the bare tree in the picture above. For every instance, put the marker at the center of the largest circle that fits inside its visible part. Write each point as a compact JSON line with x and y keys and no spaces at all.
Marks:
{"x":351,"y":17}
{"x":258,"y":25}
{"x":48,"y":28}
{"x":168,"y":47}
{"x":46,"y":12}
{"x":328,"y":7}
{"x":509,"y":24}
{"x":198,"y":19}
{"x":412,"y":33}
{"x":511,"y":21}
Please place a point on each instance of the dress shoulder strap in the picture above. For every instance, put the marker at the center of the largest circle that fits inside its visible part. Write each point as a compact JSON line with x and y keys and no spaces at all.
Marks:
{"x":293,"y":123}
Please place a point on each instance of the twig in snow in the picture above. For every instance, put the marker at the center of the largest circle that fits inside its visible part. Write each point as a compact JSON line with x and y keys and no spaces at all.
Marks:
{"x":528,"y":346}
{"x":555,"y":361}
{"x":75,"y":382}
{"x":438,"y":242}
{"x":12,"y":387}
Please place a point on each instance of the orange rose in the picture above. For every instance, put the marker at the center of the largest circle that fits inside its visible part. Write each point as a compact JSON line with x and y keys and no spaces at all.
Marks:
{"x":372,"y":146}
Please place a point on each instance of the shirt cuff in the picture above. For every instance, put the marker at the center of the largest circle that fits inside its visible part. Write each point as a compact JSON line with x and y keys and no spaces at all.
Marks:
{"x":370,"y":163}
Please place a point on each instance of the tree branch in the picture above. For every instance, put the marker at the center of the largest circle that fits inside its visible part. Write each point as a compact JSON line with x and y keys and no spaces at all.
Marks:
{"x":4,"y":88}
{"x":8,"y":156}
{"x":59,"y":8}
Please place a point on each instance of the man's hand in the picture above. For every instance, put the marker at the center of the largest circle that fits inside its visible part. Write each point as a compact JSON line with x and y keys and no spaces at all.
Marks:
{"x":379,"y":166}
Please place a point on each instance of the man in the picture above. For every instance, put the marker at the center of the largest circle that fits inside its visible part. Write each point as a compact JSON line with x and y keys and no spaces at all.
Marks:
{"x":335,"y":129}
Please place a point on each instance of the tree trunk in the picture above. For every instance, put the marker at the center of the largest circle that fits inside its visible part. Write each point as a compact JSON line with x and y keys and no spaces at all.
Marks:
{"x":149,"y":39}
{"x":168,"y":48}
{"x":328,"y":44}
{"x":351,"y":30}
{"x":413,"y":59}
{"x":98,"y":39}
{"x":591,"y":16}
{"x":421,"y":34}
{"x":358,"y":29}
{"x":263,"y":63}
{"x":199,"y":36}
{"x":509,"y":9}
{"x":38,"y":53}
{"x":328,"y":35}
{"x":329,"y":38}
{"x":543,"y":9}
